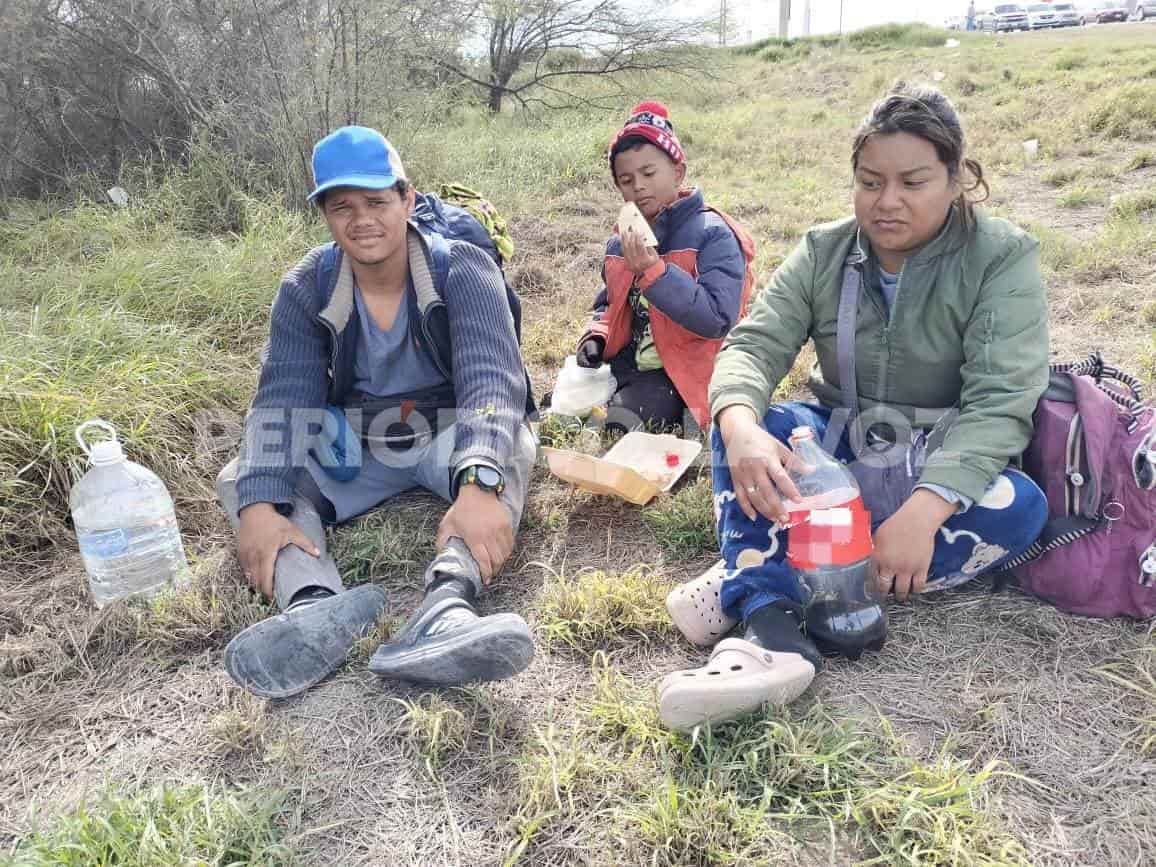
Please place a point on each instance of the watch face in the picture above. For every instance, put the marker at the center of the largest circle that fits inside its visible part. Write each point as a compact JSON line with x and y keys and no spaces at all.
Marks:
{"x":489,"y":477}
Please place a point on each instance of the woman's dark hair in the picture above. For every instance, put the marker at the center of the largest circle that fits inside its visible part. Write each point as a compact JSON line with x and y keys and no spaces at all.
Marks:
{"x":925,"y":112}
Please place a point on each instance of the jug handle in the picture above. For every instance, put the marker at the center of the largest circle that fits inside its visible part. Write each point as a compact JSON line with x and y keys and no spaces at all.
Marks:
{"x":92,"y":423}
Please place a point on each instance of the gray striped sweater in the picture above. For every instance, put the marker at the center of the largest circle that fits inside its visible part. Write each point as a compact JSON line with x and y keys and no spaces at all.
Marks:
{"x":309,"y":358}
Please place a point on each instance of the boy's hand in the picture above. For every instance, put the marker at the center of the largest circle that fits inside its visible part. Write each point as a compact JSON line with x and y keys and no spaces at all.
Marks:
{"x":638,"y":256}
{"x":262,"y":534}
{"x":479,"y":519}
{"x":589,"y":353}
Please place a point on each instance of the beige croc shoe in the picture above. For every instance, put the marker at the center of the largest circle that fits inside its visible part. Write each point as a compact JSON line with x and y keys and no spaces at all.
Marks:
{"x":740,"y":678}
{"x":696,"y":610}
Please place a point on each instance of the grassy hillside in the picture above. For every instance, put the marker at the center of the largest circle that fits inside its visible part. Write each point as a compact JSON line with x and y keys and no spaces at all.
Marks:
{"x":991,"y":730}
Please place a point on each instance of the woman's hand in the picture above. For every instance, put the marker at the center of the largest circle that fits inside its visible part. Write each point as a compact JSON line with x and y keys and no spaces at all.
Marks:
{"x":758,"y":464}
{"x":905,"y":543}
{"x":638,"y":256}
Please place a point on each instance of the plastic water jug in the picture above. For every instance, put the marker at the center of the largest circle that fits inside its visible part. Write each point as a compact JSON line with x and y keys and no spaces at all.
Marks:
{"x":829,"y":545}
{"x":579,"y":389}
{"x":125,"y":523}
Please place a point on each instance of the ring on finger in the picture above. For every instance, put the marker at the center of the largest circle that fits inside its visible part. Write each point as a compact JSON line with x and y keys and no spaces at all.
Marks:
{"x":752,"y":488}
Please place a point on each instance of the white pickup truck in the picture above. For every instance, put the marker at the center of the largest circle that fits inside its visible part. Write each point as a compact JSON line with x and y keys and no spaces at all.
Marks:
{"x":1004,"y":17}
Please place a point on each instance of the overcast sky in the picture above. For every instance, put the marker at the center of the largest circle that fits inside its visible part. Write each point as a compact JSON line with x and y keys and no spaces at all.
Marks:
{"x":759,"y":18}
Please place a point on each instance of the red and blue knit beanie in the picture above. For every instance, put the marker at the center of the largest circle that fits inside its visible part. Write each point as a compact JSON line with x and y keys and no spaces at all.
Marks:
{"x":649,"y":121}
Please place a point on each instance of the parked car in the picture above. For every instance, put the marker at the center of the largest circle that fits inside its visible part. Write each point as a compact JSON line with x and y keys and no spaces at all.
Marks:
{"x":1004,"y":17}
{"x":1145,"y":10}
{"x":1067,"y":15}
{"x":1103,"y":12}
{"x":1041,"y":16}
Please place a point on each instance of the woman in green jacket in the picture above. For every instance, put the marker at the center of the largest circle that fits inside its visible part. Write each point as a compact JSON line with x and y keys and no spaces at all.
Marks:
{"x":945,"y":355}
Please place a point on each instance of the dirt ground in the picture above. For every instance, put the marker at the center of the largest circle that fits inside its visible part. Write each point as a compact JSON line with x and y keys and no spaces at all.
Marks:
{"x":980,"y":673}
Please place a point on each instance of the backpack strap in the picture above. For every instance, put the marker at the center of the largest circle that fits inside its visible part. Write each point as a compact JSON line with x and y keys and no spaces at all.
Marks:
{"x":419,"y":270}
{"x":1057,"y":532}
{"x":427,"y":294}
{"x":747,"y":247}
{"x":849,"y":294}
{"x":1093,"y":366}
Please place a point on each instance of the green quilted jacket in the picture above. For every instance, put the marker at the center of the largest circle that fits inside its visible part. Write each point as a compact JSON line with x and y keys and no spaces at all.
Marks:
{"x":969,"y":325}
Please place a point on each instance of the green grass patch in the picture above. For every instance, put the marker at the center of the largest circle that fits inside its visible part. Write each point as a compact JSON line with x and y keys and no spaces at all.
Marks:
{"x":209,"y":825}
{"x":743,"y":784}
{"x":1141,"y":203}
{"x":388,"y":542}
{"x":68,"y":362}
{"x":678,"y":825}
{"x":1127,"y":112}
{"x":1142,"y":160}
{"x":563,"y":783}
{"x":935,"y":814}
{"x":1061,"y":176}
{"x":777,"y":50}
{"x":434,"y":729}
{"x":1149,"y":313}
{"x":1079,"y":196}
{"x":1148,"y":362}
{"x":598,"y":609}
{"x":898,"y":36}
{"x":1072,"y":58}
{"x":683,"y":522}
{"x":618,"y":716}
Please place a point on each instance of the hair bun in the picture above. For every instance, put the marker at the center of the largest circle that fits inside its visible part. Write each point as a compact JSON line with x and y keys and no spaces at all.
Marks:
{"x":653,"y":107}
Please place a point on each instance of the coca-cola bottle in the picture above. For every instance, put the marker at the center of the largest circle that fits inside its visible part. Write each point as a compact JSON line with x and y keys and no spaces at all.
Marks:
{"x":829,"y":546}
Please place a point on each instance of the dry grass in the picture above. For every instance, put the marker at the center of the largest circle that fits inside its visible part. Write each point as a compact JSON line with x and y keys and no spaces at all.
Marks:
{"x":991,"y":729}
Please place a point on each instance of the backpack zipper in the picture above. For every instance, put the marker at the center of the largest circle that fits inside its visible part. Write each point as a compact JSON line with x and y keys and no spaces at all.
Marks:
{"x":1073,"y":478}
{"x":1148,"y":566}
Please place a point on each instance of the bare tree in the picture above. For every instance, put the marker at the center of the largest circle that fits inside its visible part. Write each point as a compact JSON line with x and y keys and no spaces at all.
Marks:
{"x":88,"y":85}
{"x":537,"y":50}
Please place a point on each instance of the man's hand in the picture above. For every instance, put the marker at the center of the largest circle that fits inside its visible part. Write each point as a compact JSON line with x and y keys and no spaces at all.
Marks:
{"x":589,"y":353}
{"x":479,"y":519}
{"x":638,"y":256}
{"x":905,"y":543}
{"x":758,"y":464}
{"x":263,"y":533}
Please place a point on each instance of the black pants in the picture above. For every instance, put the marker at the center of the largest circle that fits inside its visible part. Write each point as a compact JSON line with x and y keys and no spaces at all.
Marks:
{"x":645,"y":399}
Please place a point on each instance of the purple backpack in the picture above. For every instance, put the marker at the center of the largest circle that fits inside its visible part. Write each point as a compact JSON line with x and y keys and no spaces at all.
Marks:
{"x":1094,"y":455}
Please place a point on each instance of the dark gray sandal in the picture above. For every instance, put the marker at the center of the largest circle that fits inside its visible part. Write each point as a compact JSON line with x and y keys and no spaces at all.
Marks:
{"x":285,"y":655}
{"x":479,"y":649}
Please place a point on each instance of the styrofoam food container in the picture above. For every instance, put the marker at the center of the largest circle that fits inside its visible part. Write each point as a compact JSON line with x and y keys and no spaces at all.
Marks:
{"x":635,"y":469}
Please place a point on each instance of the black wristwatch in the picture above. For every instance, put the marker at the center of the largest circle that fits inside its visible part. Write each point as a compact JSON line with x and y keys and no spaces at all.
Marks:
{"x":484,"y":476}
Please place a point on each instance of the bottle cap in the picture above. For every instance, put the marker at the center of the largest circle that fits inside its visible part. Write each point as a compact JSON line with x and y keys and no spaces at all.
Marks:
{"x":106,"y":452}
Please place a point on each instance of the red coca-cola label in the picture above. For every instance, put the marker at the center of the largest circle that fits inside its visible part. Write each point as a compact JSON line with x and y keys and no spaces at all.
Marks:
{"x":835,"y":536}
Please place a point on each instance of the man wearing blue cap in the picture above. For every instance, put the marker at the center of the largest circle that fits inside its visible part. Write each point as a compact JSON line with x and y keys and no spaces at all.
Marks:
{"x":392,"y":363}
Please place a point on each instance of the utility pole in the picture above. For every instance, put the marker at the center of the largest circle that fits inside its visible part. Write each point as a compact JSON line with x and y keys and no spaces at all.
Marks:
{"x":784,"y":18}
{"x":722,"y":22}
{"x":840,"y":17}
{"x":806,"y":17}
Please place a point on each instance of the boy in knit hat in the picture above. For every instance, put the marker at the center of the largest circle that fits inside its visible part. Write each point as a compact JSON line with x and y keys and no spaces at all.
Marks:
{"x":663,"y":312}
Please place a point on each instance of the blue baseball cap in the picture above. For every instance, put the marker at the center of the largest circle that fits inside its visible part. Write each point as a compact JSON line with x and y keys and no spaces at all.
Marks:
{"x":355,"y":156}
